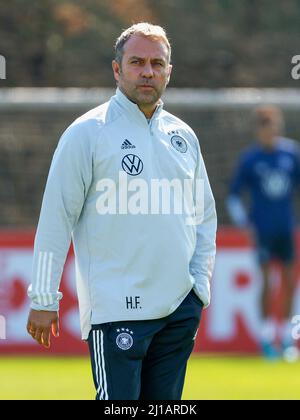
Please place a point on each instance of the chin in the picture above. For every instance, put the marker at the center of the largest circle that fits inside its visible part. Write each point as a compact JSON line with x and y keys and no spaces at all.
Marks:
{"x":148,"y":99}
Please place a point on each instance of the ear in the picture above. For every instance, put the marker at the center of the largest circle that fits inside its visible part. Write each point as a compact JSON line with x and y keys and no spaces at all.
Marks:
{"x":116,"y":70}
{"x":170,"y":68}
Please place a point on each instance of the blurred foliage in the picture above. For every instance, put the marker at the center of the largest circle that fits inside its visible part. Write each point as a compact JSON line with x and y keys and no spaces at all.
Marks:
{"x":215,"y":42}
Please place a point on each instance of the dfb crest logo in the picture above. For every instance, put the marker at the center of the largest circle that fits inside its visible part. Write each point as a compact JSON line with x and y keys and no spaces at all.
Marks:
{"x":124,"y":340}
{"x":179,"y":144}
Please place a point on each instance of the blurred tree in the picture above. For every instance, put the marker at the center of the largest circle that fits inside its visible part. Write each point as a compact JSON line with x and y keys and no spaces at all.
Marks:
{"x":216,"y":43}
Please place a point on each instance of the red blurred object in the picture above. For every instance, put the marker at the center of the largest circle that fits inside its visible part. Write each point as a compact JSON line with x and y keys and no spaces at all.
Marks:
{"x":231,"y":323}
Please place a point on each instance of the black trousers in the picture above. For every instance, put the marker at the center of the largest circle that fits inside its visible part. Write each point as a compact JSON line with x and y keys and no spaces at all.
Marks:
{"x":144,"y":360}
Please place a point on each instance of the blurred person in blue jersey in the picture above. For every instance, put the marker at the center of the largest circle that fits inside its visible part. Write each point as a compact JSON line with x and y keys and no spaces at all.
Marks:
{"x":270,"y":172}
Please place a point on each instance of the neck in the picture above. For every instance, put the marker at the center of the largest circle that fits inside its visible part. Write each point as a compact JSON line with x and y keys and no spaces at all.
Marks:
{"x":148,"y":111}
{"x":268,"y":143}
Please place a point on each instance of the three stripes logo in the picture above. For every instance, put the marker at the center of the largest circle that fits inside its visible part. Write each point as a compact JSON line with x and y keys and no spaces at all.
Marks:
{"x":127,"y":145}
{"x":99,"y":365}
{"x":132,"y":165}
{"x":43,"y":280}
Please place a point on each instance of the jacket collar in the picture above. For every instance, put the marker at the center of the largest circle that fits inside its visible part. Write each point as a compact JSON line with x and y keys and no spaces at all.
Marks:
{"x":133,"y":109}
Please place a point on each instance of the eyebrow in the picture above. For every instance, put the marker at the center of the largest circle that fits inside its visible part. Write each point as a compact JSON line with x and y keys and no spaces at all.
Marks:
{"x":134,"y":57}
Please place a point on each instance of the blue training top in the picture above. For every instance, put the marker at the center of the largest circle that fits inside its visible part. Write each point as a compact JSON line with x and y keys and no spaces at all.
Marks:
{"x":271,"y":177}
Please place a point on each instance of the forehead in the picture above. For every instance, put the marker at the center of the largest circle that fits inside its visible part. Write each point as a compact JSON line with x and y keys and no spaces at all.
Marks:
{"x":144,"y":47}
{"x":269,"y":113}
{"x":267,"y":119}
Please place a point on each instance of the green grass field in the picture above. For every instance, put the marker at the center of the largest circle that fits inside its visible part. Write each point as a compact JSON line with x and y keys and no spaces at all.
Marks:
{"x":207,"y":378}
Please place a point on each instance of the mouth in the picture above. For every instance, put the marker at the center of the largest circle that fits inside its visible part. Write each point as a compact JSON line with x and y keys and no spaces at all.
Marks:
{"x":146,"y":87}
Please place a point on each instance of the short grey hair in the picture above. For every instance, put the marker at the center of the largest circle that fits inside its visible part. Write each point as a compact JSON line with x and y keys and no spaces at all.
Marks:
{"x":145,"y":29}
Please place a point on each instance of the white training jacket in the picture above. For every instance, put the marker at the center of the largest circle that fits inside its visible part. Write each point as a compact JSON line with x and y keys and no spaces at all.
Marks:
{"x":134,"y":262}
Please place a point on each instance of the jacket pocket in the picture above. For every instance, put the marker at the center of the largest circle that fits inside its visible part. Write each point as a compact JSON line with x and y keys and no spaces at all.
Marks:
{"x":195,"y":298}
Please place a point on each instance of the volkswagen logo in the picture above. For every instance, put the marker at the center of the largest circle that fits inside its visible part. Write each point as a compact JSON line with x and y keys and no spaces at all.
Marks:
{"x":132,"y":165}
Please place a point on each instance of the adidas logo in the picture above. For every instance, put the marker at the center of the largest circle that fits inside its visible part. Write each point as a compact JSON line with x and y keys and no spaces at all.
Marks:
{"x":127,"y":145}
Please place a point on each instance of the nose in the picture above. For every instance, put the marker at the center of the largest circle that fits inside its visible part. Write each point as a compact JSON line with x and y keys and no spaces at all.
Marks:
{"x":147,"y":71}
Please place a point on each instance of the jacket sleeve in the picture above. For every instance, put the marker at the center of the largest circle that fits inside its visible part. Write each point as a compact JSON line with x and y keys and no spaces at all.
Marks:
{"x":67,"y":185}
{"x":203,"y":260}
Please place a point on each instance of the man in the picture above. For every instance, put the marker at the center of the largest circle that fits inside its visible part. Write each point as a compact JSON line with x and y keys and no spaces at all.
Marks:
{"x":270,"y":170}
{"x":142,"y":276}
